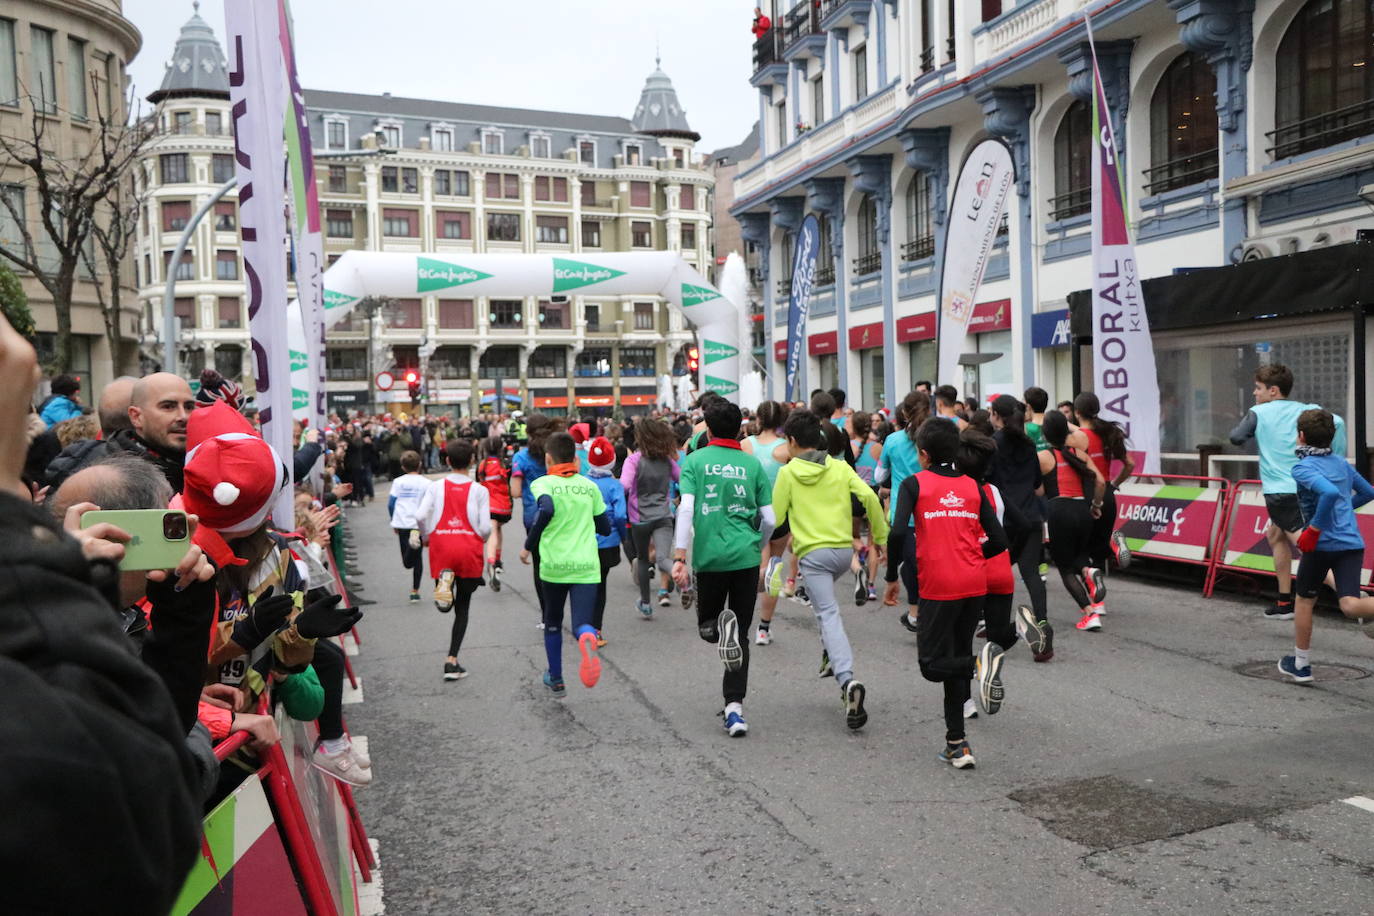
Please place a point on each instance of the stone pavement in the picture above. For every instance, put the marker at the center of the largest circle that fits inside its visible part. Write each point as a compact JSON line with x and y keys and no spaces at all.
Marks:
{"x":1138,"y":772}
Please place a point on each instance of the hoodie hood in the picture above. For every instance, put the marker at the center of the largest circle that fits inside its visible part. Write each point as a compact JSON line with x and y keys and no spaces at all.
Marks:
{"x":809,"y":466}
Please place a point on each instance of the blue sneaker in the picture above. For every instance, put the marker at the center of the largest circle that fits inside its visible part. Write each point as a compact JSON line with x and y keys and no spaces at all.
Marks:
{"x":645,"y":609}
{"x":555,"y":685}
{"x":1289,"y":666}
{"x":735,"y":726}
{"x":959,"y":756}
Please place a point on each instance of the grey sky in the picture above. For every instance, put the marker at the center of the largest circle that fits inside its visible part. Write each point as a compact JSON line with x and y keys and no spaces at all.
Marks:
{"x":586,"y":56}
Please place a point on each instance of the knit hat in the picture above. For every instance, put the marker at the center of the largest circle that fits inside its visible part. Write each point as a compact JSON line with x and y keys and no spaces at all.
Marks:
{"x":232,"y":475}
{"x":601,"y":453}
{"x":215,"y":387}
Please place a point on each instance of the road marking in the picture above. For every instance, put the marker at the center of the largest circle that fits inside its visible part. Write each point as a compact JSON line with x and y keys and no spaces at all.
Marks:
{"x":353,"y":694}
{"x":370,"y":902}
{"x":1360,"y":801}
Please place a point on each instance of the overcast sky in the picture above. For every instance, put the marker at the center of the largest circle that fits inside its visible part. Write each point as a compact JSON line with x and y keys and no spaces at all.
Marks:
{"x":587,"y":56}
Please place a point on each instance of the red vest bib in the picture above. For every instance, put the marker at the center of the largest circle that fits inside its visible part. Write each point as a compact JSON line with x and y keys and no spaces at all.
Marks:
{"x":949,"y":550}
{"x":454,"y":545}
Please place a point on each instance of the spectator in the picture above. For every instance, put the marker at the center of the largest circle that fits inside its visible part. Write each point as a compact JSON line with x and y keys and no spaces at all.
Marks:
{"x":158,"y":410}
{"x":761,"y":24}
{"x":113,"y":407}
{"x":65,"y":402}
{"x":76,"y":429}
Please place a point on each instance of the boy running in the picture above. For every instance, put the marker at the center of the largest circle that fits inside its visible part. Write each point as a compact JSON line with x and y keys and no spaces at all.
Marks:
{"x":403,"y":504}
{"x":726,"y":513}
{"x":496,"y":479}
{"x":1331,"y":542}
{"x":569,"y":513}
{"x":813,"y":496}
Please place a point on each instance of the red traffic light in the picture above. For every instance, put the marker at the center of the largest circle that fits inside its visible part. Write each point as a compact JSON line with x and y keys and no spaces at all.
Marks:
{"x":693,"y":358}
{"x":412,"y":377}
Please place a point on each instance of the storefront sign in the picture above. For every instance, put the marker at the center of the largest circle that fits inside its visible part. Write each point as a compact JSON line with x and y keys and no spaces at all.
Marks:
{"x":990,"y":316}
{"x":1050,"y":329}
{"x":916,"y":327}
{"x":595,"y":400}
{"x":1168,"y":522}
{"x":779,"y":351}
{"x":823,"y":344}
{"x":551,"y":402}
{"x":866,"y":336}
{"x":638,"y":399}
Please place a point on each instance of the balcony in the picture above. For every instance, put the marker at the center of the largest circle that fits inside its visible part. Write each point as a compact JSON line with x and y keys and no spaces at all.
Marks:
{"x":1323,"y":130}
{"x":1181,"y":172}
{"x":785,"y":287}
{"x":825,"y":274}
{"x":866,"y":264}
{"x":802,"y":34}
{"x":1071,"y":203}
{"x":835,"y":14}
{"x":769,"y":67}
{"x":919,"y":249}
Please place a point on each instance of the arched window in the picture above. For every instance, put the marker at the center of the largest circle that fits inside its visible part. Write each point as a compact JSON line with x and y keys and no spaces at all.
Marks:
{"x":1183,"y":126}
{"x":870,"y":257}
{"x":920,"y":219}
{"x":1073,"y":182}
{"x":1324,"y":91}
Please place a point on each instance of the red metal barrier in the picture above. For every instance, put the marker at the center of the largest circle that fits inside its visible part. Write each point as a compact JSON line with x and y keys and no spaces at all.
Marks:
{"x":1173,"y":517}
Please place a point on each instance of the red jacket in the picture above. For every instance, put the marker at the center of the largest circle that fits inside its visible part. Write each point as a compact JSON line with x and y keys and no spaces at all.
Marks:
{"x":761,"y":25}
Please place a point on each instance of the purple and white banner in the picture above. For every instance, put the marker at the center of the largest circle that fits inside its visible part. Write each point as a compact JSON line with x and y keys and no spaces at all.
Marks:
{"x":257,"y":92}
{"x":975,"y":211}
{"x":1123,"y":356}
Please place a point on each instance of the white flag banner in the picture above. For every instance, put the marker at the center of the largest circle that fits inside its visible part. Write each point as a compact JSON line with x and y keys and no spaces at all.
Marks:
{"x":258,"y":95}
{"x":975,"y":212}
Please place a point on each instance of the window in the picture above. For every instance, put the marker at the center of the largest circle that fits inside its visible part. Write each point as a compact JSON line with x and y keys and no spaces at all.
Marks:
{"x":9,"y":74}
{"x":335,"y":133}
{"x":460,"y":185}
{"x":147,"y":258}
{"x":502,"y":187}
{"x":920,"y":220}
{"x":174,"y":168}
{"x":817,"y":101}
{"x":493,"y":141}
{"x":541,"y":147}
{"x":221,"y":167}
{"x":390,"y":183}
{"x":181,"y":121}
{"x":499,"y":362}
{"x":689,"y":236}
{"x":594,"y":362}
{"x":637,"y":361}
{"x":641,"y":234}
{"x":43,"y":83}
{"x":506,"y":314}
{"x":634,"y":154}
{"x":175,"y":215}
{"x":589,"y":194}
{"x":391,"y":135}
{"x":451,"y":362}
{"x":338,"y":224}
{"x":230,"y":312}
{"x":410,"y":181}
{"x":555,"y":189}
{"x":408,"y":314}
{"x":591,"y":233}
{"x":991,"y":9}
{"x":76,"y":78}
{"x":1323,"y":90}
{"x":679,"y":157}
{"x":554,"y":316}
{"x":214,"y":124}
{"x":641,"y":194}
{"x":441,"y":139}
{"x":687,"y":198}
{"x":184,"y":310}
{"x":644,"y":316}
{"x":226,"y":220}
{"x":586,"y":152}
{"x":10,"y":234}
{"x":452,"y":224}
{"x":226,"y":265}
{"x":1183,"y":126}
{"x":870,"y":259}
{"x":442,"y":186}
{"x":552,"y":229}
{"x":1073,"y":190}
{"x":229,"y":360}
{"x":780,"y":122}
{"x":860,"y":74}
{"x":338,"y":179}
{"x":549,"y":362}
{"x":345,"y":364}
{"x":503,"y":227}
{"x":455,"y":314}
{"x":593,"y":315}
{"x":825,"y":252}
{"x":400,"y":223}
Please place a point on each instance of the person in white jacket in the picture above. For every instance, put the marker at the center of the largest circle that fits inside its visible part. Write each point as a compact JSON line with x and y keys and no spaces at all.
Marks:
{"x":404,"y":504}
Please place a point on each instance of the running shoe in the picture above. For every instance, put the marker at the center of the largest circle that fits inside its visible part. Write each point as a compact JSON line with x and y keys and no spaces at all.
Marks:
{"x":906,"y":622}
{"x":802,"y":597}
{"x":1121,"y":550}
{"x":1046,"y":653}
{"x":959,"y":756}
{"x":360,"y":756}
{"x":981,"y":631}
{"x":496,"y":574}
{"x":663,"y":597}
{"x":826,"y":670}
{"x":555,"y":685}
{"x":988,"y":673}
{"x":731,"y":652}
{"x":590,"y":668}
{"x":1099,"y":608}
{"x":1031,"y":630}
{"x":1096,"y":583}
{"x":970,"y":709}
{"x":763,"y":637}
{"x":600,"y":640}
{"x":414,"y":539}
{"x":872,"y":593}
{"x":735,"y":726}
{"x":1089,"y":621}
{"x":453,"y":671}
{"x":415,"y":597}
{"x":861,"y":587}
{"x":443,"y":592}
{"x":646,"y":610}
{"x":854,"y":715}
{"x":789,"y":586}
{"x":688,"y":596}
{"x":772,"y":577}
{"x":341,"y":766}
{"x":1279,"y":611}
{"x":1289,"y":665}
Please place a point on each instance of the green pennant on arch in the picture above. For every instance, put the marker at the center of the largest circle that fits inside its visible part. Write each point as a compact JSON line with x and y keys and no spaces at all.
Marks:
{"x":334,"y":300}
{"x":720,"y":385}
{"x":300,"y":399}
{"x":575,"y":274}
{"x":714,"y":351}
{"x":431,"y":275}
{"x":299,"y":361}
{"x":696,"y":295}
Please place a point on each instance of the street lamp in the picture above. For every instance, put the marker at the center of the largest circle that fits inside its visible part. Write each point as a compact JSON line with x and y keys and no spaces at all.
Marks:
{"x":373,"y":307}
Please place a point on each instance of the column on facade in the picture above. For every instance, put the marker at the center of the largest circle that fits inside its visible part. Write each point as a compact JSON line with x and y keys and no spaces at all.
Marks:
{"x":754,"y":228}
{"x":785,"y":215}
{"x":673,"y":225}
{"x":880,"y":14}
{"x":575,"y":195}
{"x":826,"y":196}
{"x":926,"y":150}
{"x":765,"y":100}
{"x":371,"y":193}
{"x":834,"y":47}
{"x":1221,"y":31}
{"x":873,"y":176}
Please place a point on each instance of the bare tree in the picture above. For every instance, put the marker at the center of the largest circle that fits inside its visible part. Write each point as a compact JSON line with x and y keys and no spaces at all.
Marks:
{"x":79,"y":191}
{"x":113,"y":237}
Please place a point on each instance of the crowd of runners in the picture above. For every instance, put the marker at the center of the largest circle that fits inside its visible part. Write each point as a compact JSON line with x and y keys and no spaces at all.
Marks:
{"x":946,"y":500}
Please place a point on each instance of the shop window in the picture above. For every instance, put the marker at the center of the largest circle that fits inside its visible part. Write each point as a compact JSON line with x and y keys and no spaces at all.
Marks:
{"x":503,"y":362}
{"x":1183,"y":126}
{"x":1073,"y":189}
{"x":455,"y":314}
{"x":1323,"y":91}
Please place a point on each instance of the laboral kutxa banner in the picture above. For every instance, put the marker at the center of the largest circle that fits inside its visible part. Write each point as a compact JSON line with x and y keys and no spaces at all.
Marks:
{"x":1123,"y":356}
{"x":257,"y":93}
{"x":974,"y":214}
{"x":803,"y":278}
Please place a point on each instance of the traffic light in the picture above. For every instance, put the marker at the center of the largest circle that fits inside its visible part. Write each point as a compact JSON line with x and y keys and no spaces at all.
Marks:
{"x":694,"y":365}
{"x":413,"y":382}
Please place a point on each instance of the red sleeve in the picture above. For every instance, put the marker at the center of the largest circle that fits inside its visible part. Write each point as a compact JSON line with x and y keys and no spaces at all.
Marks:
{"x":217,"y":719}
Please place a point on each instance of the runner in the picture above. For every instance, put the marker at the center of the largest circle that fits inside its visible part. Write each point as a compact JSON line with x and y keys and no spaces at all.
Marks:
{"x":600,"y":463}
{"x":770,"y":448}
{"x":494,"y":476}
{"x":648,"y":478}
{"x":867,"y":449}
{"x":812,"y":495}
{"x":1037,"y":399}
{"x":455,"y":519}
{"x":1106,"y":443}
{"x":1069,"y":475}
{"x":403,"y":502}
{"x":899,"y":460}
{"x":726,"y":514}
{"x":1015,"y":471}
{"x":525,"y":468}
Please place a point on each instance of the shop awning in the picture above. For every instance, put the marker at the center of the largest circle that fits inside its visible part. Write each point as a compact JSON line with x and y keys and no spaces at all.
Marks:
{"x":1332,"y":279}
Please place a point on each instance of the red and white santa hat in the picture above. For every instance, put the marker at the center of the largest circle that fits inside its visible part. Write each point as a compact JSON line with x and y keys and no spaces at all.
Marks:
{"x":232,"y":475}
{"x":601,"y":453}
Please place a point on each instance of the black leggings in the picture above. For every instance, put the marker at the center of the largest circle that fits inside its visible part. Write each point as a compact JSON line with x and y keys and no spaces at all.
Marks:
{"x":329,"y":668}
{"x":1071,"y":528}
{"x":610,"y":557}
{"x":907,"y":570}
{"x":462,"y":602}
{"x":737,"y":588}
{"x":1100,"y":543}
{"x":997,"y":619}
{"x":412,"y":560}
{"x":1026,"y":550}
{"x":944,"y":647}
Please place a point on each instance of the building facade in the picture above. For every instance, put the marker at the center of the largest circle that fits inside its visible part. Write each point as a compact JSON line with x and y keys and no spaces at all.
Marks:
{"x":63,"y":63}
{"x":728,"y":238}
{"x":1244,"y":129}
{"x":412,"y":175}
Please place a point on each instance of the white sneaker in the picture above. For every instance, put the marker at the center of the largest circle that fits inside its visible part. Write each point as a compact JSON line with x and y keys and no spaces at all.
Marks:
{"x":970,"y":709}
{"x":763,"y":638}
{"x":443,"y":591}
{"x":414,"y":539}
{"x":360,"y":756}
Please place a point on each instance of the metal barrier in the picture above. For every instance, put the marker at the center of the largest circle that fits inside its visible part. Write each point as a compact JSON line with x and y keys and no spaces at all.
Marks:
{"x":1173,"y":517}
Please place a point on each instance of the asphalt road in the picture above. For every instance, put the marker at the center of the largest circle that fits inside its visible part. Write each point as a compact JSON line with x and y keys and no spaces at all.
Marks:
{"x":1138,"y":772}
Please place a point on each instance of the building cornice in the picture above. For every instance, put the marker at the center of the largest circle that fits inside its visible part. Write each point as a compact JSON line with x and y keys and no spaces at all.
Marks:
{"x":101,"y":15}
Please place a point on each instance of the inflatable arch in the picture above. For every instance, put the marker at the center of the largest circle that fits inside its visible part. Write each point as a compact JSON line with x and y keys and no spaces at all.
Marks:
{"x":663,"y":273}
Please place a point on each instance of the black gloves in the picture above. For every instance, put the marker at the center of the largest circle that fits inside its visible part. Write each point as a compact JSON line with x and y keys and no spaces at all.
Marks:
{"x":265,"y":616}
{"x":325,"y":619}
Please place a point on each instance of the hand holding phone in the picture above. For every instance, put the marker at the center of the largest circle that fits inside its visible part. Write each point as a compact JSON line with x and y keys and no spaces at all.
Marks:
{"x":154,"y":538}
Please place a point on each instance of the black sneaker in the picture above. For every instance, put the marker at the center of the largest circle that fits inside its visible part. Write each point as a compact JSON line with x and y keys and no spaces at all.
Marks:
{"x":988,"y":678}
{"x":453,"y":671}
{"x":959,"y":756}
{"x":861,"y":587}
{"x":1279,"y":611}
{"x":854,"y":715}
{"x":911,"y":627}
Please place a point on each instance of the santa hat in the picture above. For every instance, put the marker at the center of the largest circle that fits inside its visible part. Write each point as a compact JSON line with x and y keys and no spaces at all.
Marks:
{"x":232,"y":475}
{"x":579,"y":432}
{"x":601,"y":453}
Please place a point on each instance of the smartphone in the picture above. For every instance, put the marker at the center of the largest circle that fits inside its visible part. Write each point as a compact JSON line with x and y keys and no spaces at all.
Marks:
{"x":158,"y":538}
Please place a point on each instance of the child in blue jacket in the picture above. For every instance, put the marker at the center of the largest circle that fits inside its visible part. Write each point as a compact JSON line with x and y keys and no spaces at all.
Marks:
{"x":600,"y":464}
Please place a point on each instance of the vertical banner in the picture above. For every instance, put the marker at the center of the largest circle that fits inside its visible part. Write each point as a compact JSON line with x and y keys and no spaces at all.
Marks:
{"x":308,"y":249}
{"x":258,"y":96}
{"x":803,"y":278}
{"x":1123,"y":356}
{"x":975,"y":211}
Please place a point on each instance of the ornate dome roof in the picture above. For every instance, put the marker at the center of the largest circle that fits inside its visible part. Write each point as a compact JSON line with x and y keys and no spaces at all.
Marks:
{"x":659,"y":113}
{"x":197,"y":67}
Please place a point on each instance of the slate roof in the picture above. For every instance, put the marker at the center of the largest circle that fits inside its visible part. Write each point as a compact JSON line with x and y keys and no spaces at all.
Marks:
{"x":197,"y":66}
{"x":659,"y":112}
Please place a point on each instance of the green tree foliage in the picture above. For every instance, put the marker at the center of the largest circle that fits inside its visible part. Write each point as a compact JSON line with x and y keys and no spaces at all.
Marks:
{"x":14,"y":305}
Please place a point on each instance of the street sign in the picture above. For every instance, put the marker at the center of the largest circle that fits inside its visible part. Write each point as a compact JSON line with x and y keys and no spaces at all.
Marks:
{"x":384,"y":381}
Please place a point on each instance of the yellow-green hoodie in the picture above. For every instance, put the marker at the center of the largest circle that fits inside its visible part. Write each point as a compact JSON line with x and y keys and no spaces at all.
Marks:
{"x":812,"y":493}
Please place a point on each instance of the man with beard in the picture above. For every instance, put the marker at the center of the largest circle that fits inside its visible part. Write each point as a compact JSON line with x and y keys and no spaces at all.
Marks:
{"x":158,"y":410}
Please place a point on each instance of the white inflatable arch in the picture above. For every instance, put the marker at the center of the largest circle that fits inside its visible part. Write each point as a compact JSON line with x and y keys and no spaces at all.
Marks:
{"x":406,"y":275}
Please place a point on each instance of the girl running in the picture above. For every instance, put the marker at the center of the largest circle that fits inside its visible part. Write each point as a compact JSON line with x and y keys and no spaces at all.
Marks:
{"x":1106,"y":443}
{"x":900,"y":459}
{"x":648,"y":479}
{"x":494,"y":476}
{"x":1069,"y":477}
{"x":1015,"y":471}
{"x":404,"y":501}
{"x":769,"y":447}
{"x":866,"y":449}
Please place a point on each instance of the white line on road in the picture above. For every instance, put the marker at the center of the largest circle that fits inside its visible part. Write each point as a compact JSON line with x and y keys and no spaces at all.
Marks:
{"x":370,"y":902}
{"x":353,"y":694}
{"x":1360,"y":801}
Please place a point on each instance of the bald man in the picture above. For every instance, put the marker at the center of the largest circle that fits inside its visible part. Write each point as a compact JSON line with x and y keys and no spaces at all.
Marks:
{"x":113,"y":407}
{"x":159,"y":407}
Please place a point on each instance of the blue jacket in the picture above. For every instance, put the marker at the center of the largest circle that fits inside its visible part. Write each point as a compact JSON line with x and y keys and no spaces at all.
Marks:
{"x":613,"y":494}
{"x":1325,"y":484}
{"x":59,"y":408}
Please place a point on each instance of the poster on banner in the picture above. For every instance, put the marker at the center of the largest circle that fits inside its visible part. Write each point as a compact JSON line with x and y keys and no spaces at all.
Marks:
{"x":1124,"y":376}
{"x":803,"y":279}
{"x":975,"y":211}
{"x":1169,"y":521}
